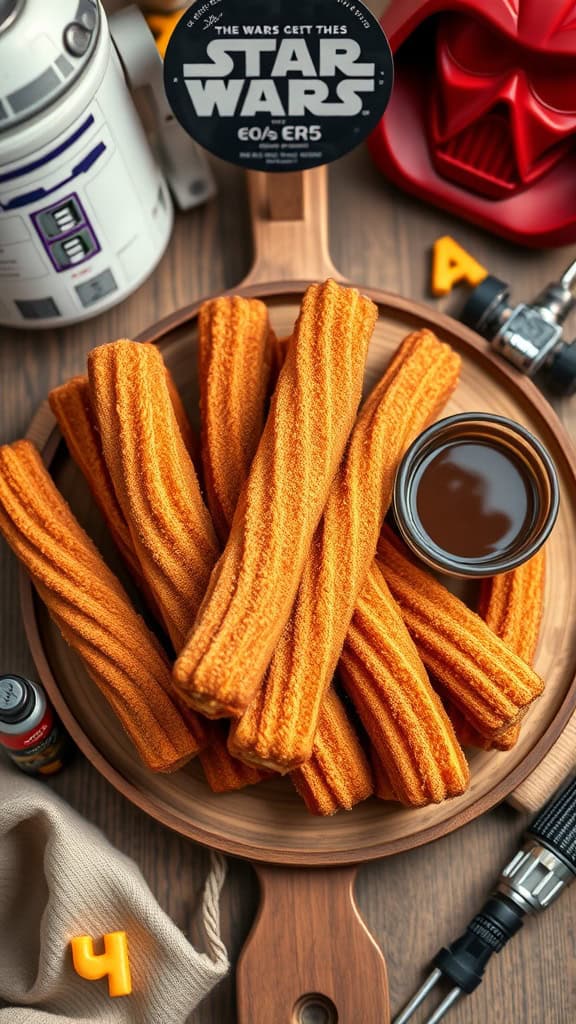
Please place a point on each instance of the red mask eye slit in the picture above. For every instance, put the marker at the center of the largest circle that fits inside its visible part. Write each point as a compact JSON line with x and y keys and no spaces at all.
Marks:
{"x":556,"y":87}
{"x":475,"y":47}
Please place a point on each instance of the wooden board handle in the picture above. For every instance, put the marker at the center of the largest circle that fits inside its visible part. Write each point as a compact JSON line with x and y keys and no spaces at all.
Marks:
{"x":290,"y":227}
{"x":543,"y":782}
{"x":309,"y":956}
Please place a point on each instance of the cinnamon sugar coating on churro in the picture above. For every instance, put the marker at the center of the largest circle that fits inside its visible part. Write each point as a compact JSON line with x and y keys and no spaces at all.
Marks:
{"x":92,"y":610}
{"x":491,"y":685}
{"x":253,"y":586}
{"x":232,"y":405}
{"x":511,"y":604}
{"x":338,"y":775}
{"x":235,"y":361}
{"x":191,"y":441}
{"x":468,"y":736}
{"x":409,"y":731}
{"x":70,"y":403}
{"x":278,"y":728}
{"x":154,"y":479}
{"x":383,"y":789}
{"x":224,"y":773}
{"x":278,"y":348}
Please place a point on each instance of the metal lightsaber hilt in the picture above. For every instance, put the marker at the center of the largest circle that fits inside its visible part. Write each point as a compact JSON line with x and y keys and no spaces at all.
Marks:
{"x":533,"y":879}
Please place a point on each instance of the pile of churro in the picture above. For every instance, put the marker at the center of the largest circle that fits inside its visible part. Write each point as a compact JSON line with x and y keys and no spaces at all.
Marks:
{"x":295,"y":633}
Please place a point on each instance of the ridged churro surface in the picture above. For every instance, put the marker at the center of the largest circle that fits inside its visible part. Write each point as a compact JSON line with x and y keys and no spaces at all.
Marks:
{"x":383,"y":789}
{"x":255,"y":581}
{"x":481,"y":675}
{"x":409,"y":731}
{"x":512,"y":604}
{"x":153,"y":478}
{"x":191,"y":441}
{"x":224,"y":773}
{"x":235,"y":363}
{"x":338,"y":775}
{"x":232,"y":405}
{"x":279,"y":726}
{"x":91,"y":609}
{"x":70,"y":403}
{"x":468,"y":736}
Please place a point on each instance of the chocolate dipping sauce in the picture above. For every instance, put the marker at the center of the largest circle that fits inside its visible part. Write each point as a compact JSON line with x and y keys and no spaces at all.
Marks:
{"x":475,"y":494}
{"x":473,"y":499}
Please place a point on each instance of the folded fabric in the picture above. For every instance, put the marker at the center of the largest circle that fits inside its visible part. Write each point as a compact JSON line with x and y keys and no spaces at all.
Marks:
{"x":60,"y":878}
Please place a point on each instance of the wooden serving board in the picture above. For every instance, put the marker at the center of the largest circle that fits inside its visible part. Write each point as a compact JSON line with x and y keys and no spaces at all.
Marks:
{"x":268,"y":823}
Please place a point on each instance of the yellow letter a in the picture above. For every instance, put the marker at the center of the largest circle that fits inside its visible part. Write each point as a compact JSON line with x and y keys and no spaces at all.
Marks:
{"x":452,"y":264}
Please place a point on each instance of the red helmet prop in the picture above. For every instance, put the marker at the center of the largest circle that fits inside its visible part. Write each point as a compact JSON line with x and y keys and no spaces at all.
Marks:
{"x":482,"y":119}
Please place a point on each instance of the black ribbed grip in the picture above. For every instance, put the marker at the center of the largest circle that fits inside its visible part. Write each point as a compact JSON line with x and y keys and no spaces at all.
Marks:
{"x":555,"y":826}
{"x":464,"y":961}
{"x":491,"y":932}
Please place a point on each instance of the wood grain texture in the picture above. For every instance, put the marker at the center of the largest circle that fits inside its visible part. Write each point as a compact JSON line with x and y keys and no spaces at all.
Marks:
{"x":281,"y":243}
{"x":314,"y":907}
{"x":414,"y":902}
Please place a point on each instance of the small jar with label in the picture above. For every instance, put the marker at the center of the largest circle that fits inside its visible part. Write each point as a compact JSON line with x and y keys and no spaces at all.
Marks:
{"x":30,"y":733}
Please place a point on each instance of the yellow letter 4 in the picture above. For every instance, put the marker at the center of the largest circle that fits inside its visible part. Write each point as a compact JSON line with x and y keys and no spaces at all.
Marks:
{"x":113,"y":962}
{"x":452,"y":264}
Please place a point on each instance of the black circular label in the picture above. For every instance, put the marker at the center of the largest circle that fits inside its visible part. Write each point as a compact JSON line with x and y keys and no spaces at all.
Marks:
{"x":278,"y":85}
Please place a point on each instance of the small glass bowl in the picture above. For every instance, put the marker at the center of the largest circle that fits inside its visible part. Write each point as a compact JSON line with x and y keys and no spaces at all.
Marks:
{"x":517,"y":444}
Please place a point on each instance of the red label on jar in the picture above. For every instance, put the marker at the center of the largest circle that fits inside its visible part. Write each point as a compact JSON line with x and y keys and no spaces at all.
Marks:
{"x":27,"y":740}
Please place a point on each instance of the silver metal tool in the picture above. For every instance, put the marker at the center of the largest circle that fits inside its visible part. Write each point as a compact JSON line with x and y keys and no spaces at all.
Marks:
{"x":533,"y":879}
{"x":529,"y":335}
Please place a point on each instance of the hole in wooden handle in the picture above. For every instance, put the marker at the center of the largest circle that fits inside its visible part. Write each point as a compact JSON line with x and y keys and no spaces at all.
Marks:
{"x":314,"y":1008}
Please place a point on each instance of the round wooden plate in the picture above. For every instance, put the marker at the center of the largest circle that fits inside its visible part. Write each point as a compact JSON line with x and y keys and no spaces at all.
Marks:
{"x":268,"y":822}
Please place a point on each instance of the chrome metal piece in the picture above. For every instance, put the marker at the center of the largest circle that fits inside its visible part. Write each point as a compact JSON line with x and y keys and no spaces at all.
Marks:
{"x":419,"y":998}
{"x":568,"y":279}
{"x":527,"y":339}
{"x":534,"y":878}
{"x":445,"y":1005}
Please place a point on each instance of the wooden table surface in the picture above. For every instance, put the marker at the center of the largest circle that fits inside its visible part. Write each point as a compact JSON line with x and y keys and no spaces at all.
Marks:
{"x":415,"y":902}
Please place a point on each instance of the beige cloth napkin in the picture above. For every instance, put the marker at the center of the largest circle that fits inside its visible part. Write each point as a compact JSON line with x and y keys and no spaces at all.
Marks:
{"x":60,"y":877}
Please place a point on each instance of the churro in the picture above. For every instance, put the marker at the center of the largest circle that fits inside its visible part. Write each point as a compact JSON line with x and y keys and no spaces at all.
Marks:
{"x":511,"y":604}
{"x":191,"y":441}
{"x":235,"y":357}
{"x":153,"y":478}
{"x":277,"y":348}
{"x":91,"y":609}
{"x":254,"y":584}
{"x":72,"y":408}
{"x":338,"y":775}
{"x":491,"y":685}
{"x":277,"y":731}
{"x":70,"y":403}
{"x":237,"y":353}
{"x":383,"y":789}
{"x":383,"y":675}
{"x":225,"y":774}
{"x":468,"y":736}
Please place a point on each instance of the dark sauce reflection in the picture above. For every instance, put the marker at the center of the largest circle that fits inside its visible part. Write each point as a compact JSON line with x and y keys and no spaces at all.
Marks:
{"x":473,"y":499}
